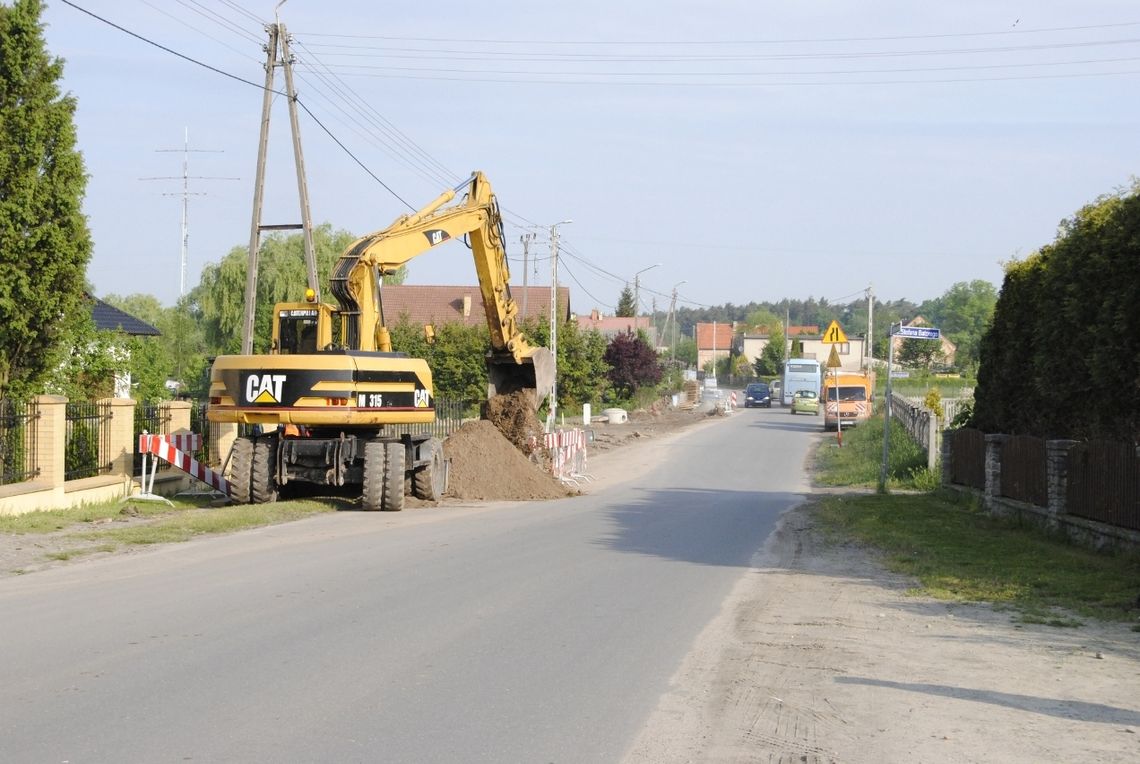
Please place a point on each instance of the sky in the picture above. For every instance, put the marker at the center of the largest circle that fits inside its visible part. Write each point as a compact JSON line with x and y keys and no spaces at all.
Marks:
{"x":732,"y":150}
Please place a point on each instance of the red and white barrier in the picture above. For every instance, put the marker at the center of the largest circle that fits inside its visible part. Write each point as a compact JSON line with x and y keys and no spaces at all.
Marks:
{"x":175,"y":450}
{"x":567,"y":450}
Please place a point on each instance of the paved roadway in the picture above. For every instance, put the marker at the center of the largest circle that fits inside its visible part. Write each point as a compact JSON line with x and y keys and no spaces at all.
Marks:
{"x":520,"y":632}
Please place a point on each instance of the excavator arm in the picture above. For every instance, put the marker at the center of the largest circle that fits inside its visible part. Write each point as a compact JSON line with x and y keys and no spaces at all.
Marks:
{"x":513,"y":364}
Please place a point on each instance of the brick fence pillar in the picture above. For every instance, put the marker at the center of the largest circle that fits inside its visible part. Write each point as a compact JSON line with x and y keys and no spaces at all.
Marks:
{"x":51,"y":439}
{"x":994,"y":444}
{"x":178,"y":416}
{"x":121,"y":436}
{"x":1057,"y":476}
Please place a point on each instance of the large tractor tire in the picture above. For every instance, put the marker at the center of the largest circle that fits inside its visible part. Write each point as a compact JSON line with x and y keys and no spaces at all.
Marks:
{"x":373,"y":493}
{"x":241,"y":468}
{"x":263,"y":480}
{"x":430,"y":481}
{"x":394,"y":460}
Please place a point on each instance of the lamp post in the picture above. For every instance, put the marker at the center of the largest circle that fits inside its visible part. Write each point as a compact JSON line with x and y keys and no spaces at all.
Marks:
{"x":554,"y":319}
{"x":637,"y":293}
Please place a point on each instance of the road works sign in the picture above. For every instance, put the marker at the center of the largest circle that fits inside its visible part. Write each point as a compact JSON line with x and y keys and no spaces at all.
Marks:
{"x":833,"y":359}
{"x":834,"y":333}
{"x":918,"y":332}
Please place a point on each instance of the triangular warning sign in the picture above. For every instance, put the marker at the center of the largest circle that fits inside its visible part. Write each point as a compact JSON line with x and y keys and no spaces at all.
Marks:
{"x":833,"y":359}
{"x":834,"y":333}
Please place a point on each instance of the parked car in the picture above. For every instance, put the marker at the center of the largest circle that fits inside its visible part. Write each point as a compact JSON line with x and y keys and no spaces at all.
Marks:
{"x":806,"y":402}
{"x":757,"y":395}
{"x":776,"y":388}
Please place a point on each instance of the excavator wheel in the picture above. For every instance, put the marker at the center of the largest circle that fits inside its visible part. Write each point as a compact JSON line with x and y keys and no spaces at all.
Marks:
{"x":393,"y":499}
{"x":241,"y":467}
{"x":374,"y":458}
{"x":430,"y":481}
{"x":263,"y":484}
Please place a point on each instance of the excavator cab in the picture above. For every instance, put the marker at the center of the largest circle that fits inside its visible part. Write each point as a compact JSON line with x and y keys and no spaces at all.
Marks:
{"x":301,"y":328}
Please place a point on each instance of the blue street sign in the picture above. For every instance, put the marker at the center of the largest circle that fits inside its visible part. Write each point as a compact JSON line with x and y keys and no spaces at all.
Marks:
{"x":919,"y":332}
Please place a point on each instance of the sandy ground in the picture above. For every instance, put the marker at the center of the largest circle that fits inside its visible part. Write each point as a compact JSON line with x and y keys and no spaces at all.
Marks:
{"x":821,"y":655}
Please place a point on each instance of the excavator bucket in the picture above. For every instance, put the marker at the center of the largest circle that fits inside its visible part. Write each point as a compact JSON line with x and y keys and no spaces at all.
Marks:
{"x":535,"y":373}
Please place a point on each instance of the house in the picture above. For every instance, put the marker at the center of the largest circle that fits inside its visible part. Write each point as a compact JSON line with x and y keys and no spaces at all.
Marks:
{"x":108,"y":318}
{"x":463,"y":304}
{"x":947,"y":350}
{"x":850,"y":353}
{"x":714,"y":341}
{"x":611,"y":326}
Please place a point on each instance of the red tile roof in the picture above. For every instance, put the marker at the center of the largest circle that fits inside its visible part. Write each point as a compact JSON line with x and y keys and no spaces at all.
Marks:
{"x":461,"y":304}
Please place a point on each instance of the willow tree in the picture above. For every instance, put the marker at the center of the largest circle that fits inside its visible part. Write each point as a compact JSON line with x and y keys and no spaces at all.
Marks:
{"x":44,"y":241}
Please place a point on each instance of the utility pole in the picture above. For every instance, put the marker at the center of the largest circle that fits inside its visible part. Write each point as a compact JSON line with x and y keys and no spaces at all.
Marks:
{"x":551,"y":421}
{"x":277,"y":54}
{"x":186,"y":193}
{"x":868,"y":348}
{"x":526,"y":239}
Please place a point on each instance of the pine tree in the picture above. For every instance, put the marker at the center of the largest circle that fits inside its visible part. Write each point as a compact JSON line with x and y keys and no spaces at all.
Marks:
{"x":44,"y":241}
{"x":625,"y":306}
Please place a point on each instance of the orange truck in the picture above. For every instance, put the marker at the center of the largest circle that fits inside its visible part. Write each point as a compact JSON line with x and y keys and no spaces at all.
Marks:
{"x":847,"y":398}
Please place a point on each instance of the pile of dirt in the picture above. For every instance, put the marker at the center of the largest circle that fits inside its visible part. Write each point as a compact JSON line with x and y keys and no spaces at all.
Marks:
{"x":486,"y":465}
{"x":514,"y":415}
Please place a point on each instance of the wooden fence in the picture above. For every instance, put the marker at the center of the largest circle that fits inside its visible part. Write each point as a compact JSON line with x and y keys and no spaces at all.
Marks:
{"x":1104,"y":483}
{"x":968,"y":457}
{"x":1023,"y":470}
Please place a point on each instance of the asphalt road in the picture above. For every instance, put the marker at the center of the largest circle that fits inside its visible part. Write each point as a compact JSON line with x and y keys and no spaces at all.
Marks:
{"x":541,"y":632}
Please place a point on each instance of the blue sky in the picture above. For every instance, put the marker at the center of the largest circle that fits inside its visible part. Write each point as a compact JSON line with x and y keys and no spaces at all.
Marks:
{"x":756,"y":150}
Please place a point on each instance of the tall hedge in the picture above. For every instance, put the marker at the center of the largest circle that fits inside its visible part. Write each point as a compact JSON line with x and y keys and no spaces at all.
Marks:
{"x":1062,"y":356}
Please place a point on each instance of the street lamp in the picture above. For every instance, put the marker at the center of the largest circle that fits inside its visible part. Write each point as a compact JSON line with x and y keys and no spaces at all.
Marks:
{"x":637,"y":292}
{"x":554,"y":319}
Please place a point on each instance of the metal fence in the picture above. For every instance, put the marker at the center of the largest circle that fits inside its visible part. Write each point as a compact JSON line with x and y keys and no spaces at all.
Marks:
{"x":18,"y":442}
{"x":1104,"y":483}
{"x":87,"y":445}
{"x":1023,"y":470}
{"x":968,"y":457}
{"x":915,"y":419}
{"x":153,"y":418}
{"x":450,"y":414}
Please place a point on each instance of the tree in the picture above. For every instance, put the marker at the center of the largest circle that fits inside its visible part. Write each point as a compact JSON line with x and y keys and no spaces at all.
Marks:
{"x":963,"y":313}
{"x":44,"y":241}
{"x":763,"y":320}
{"x":625,"y":306}
{"x":920,"y":353}
{"x":219,"y":297}
{"x":633,"y":364}
{"x":772,"y":357}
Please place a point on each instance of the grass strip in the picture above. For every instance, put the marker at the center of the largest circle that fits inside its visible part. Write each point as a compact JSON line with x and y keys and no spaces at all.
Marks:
{"x":46,"y":521}
{"x":857,"y":462}
{"x":185,"y":525}
{"x":962,"y":554}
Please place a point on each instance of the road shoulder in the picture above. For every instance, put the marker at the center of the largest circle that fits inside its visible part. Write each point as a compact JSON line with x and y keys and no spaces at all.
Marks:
{"x":819,"y":655}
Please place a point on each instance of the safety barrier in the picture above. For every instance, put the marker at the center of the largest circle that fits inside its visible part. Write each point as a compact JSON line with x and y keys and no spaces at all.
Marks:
{"x":177,"y":450}
{"x":567,"y":450}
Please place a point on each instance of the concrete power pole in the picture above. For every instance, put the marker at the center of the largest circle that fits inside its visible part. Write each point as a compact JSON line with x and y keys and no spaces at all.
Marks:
{"x":526,"y":239}
{"x":277,"y":54}
{"x":868,"y":343}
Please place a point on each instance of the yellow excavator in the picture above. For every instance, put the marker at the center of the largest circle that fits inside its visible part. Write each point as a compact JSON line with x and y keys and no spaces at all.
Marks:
{"x":331,"y":398}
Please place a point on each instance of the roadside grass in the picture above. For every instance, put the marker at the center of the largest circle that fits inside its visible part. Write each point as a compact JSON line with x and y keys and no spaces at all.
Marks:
{"x":47,"y":521}
{"x":182,"y":526}
{"x":857,"y":462}
{"x":960,"y":553}
{"x":160,"y":522}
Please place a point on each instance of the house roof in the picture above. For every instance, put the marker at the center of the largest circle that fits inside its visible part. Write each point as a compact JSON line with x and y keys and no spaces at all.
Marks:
{"x":109,"y":318}
{"x":422,"y":304}
{"x":723,"y":337}
{"x":615,"y":324}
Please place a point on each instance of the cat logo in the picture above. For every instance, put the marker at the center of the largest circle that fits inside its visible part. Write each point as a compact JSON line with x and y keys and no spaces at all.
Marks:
{"x":264,"y":388}
{"x":436,"y":236}
{"x":420,"y":399}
